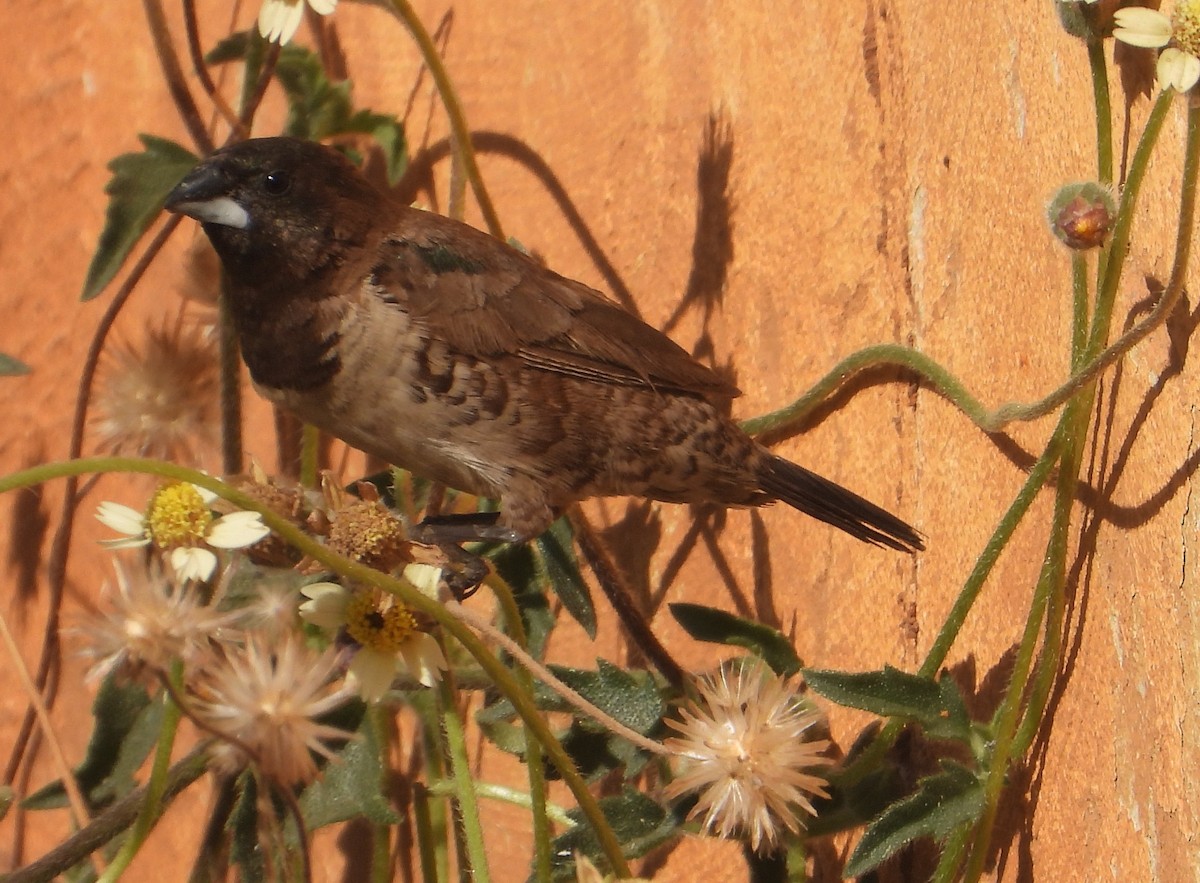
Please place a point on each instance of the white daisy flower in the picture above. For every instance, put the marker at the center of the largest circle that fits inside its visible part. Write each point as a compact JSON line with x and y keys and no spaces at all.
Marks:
{"x":278,"y":20}
{"x":1178,"y":63}
{"x":384,"y":631}
{"x":180,"y":522}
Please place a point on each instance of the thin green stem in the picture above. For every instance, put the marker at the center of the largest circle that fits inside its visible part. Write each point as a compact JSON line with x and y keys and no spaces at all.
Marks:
{"x":428,"y":845}
{"x":884,"y":354}
{"x":173,"y":73}
{"x":1049,"y":585}
{"x":504,"y":794}
{"x":157,"y":786}
{"x":310,"y":456}
{"x":458,"y":122}
{"x":952,"y":389}
{"x":381,"y":853}
{"x":1118,"y":247}
{"x":1079,"y":307}
{"x":987,"y":559}
{"x":1103,"y":101}
{"x":528,"y":662}
{"x":503,"y":679}
{"x":542,"y":857}
{"x":230,"y":382}
{"x":464,"y":784}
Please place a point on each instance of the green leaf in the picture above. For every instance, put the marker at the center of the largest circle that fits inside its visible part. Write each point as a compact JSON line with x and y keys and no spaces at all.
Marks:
{"x":506,"y":736}
{"x":718,"y":627}
{"x":352,"y":787}
{"x":936,"y":705}
{"x":137,"y":190}
{"x":638,"y":822}
{"x":10,"y":367}
{"x":125,"y":729}
{"x":941,"y":804}
{"x":631,"y":697}
{"x":245,"y":850}
{"x":849,"y":807}
{"x":556,"y":555}
{"x":319,"y":108}
{"x":517,"y":566}
{"x":388,"y":133}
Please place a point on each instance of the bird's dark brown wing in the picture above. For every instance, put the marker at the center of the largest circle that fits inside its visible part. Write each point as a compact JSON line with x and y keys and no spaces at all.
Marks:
{"x":484,"y":298}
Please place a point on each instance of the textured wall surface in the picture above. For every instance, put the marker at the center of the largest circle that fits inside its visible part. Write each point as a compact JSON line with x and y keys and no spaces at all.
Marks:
{"x":777,"y":189}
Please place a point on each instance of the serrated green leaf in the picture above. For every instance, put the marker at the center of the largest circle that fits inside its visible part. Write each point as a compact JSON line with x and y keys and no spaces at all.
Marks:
{"x":936,"y":706}
{"x":351,"y":787}
{"x":125,"y":728}
{"x":556,"y":554}
{"x":941,"y":804}
{"x":631,"y":697}
{"x":508,"y":737}
{"x":718,"y":627}
{"x":638,"y":822}
{"x":137,"y":190}
{"x":231,"y":48}
{"x":10,"y":367}
{"x":388,"y":133}
{"x":319,"y":108}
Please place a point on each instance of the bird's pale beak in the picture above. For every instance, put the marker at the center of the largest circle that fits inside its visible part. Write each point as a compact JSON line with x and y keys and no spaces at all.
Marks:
{"x":204,"y":195}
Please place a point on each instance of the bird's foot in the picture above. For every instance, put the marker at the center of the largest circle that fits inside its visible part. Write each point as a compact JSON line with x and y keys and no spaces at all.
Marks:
{"x":463,"y":571}
{"x":470,"y":527}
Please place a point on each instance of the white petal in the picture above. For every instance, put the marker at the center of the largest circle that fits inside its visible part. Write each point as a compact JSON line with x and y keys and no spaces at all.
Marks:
{"x":425,"y":577}
{"x":126,"y":543}
{"x":374,"y":672}
{"x":206,"y":496}
{"x":122,"y":519}
{"x":423,"y":658}
{"x":190,"y":563}
{"x":323,"y":7}
{"x":236,"y":530}
{"x":1178,"y":70}
{"x":326,"y":607}
{"x":278,"y":20}
{"x":1139,"y":26}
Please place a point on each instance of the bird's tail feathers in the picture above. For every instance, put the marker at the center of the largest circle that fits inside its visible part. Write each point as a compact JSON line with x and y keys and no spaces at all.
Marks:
{"x":833,"y":504}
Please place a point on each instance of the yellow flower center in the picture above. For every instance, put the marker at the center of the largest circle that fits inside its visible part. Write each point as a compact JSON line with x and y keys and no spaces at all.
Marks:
{"x":379,"y":622}
{"x":177,"y":516}
{"x":1185,"y":26}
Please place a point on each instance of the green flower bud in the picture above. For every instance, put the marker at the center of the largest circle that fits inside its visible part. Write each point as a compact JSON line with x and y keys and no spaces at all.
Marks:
{"x":1081,"y":215}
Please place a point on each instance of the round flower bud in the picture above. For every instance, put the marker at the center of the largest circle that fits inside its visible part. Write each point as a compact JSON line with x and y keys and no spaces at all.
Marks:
{"x":1081,"y":215}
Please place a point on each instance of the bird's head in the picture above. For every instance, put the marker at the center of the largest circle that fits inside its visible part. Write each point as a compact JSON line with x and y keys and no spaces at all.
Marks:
{"x":278,"y":209}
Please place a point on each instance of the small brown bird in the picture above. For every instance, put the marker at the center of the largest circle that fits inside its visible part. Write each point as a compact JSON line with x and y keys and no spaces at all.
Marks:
{"x":439,"y":348}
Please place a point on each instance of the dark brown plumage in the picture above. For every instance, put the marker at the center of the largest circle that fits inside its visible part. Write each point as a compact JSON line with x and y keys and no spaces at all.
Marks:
{"x":441,"y":349}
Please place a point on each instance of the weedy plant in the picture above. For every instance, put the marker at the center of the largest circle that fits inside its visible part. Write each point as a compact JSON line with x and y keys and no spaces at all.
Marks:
{"x":288,"y":618}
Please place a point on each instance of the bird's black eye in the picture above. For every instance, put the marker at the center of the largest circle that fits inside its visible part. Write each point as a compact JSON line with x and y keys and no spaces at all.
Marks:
{"x":277,"y":182}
